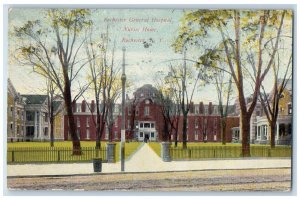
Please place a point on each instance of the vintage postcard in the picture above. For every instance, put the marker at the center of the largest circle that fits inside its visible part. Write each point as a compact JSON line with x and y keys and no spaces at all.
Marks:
{"x":127,"y":99}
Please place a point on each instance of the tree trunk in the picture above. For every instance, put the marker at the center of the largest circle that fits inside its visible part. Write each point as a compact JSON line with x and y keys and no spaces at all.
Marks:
{"x":72,"y":125}
{"x":273,"y":132}
{"x":51,"y":131}
{"x":110,"y":127}
{"x":176,"y":141}
{"x":166,"y":131}
{"x":245,"y":128}
{"x":98,"y":127}
{"x":223,"y":130}
{"x":184,"y":130}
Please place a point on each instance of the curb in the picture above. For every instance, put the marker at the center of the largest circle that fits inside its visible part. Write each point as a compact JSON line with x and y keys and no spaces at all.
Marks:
{"x":151,"y":172}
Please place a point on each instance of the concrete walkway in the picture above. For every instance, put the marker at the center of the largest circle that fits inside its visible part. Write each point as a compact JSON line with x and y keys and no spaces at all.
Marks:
{"x":145,"y":160}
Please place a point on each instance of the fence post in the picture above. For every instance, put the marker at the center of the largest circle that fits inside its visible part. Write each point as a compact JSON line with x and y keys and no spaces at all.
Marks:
{"x":165,"y":151}
{"x":12,"y":156}
{"x":58,"y":155}
{"x":190,"y":153}
{"x":110,"y":152}
{"x":269,"y":152}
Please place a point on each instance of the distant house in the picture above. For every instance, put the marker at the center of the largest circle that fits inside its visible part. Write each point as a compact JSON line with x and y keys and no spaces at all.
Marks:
{"x":284,"y":120}
{"x":15,"y":114}
{"x":28,"y":117}
{"x":259,"y":127}
{"x":58,"y":126}
{"x":36,"y":107}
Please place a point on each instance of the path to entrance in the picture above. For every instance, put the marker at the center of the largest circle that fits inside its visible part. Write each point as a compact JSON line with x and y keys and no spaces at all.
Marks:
{"x":145,"y":160}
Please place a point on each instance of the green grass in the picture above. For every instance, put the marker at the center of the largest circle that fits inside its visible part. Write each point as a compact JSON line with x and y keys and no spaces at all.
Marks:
{"x":156,"y":146}
{"x":200,"y":150}
{"x":129,"y":149}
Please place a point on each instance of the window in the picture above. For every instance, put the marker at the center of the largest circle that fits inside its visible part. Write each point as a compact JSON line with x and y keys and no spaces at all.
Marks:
{"x":141,"y":134}
{"x":146,"y":125}
{"x":196,"y":109}
{"x":265,"y":132}
{"x":78,"y":133}
{"x":289,"y":109}
{"x":142,"y":94}
{"x":29,"y":116}
{"x":152,"y":125}
{"x":22,"y":116}
{"x":141,"y":125}
{"x":196,"y":123}
{"x":147,"y":101}
{"x":46,"y":117}
{"x":87,"y":133}
{"x":257,"y":113}
{"x":78,"y":108}
{"x":137,"y":111}
{"x":128,"y":123}
{"x":258,"y":132}
{"x":11,"y":126}
{"x":215,"y":123}
{"x":78,"y":122}
{"x":146,"y":111}
{"x":116,"y":122}
{"x":18,"y":113}
{"x":152,"y":134}
{"x":215,"y":137}
{"x":87,"y":122}
{"x":116,"y":135}
{"x":196,"y":135}
{"x":187,"y":122}
{"x":11,"y":110}
{"x":46,"y":131}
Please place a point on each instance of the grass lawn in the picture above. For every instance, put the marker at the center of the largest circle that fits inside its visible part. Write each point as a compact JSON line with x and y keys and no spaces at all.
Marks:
{"x":129,"y":147}
{"x":257,"y":150}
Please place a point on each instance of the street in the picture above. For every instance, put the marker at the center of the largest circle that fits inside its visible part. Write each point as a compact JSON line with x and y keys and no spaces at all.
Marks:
{"x":210,"y":180}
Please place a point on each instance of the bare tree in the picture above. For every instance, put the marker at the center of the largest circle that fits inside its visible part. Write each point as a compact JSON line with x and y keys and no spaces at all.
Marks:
{"x":105,"y":81}
{"x":52,"y":48}
{"x":224,"y":91}
{"x":257,"y":27}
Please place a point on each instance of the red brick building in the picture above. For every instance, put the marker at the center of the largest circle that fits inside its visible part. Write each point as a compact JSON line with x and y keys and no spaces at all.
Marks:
{"x":144,"y":119}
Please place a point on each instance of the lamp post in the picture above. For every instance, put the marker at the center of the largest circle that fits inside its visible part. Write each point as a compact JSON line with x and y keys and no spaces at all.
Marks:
{"x":122,"y":146}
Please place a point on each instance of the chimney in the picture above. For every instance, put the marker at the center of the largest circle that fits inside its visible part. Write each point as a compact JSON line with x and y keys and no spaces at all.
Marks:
{"x":210,"y":108}
{"x":191,"y":107}
{"x":93,"y":106}
{"x":83,"y":106}
{"x":201,"y":108}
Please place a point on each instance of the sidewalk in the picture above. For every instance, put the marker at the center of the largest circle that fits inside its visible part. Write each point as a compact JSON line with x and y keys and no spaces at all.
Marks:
{"x":145,"y":160}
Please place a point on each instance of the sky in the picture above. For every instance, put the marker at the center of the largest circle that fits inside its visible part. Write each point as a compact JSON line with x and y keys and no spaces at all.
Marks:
{"x":129,"y":28}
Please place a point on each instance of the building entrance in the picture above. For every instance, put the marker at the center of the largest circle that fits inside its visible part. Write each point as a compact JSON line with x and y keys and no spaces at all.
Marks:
{"x":147,"y":131}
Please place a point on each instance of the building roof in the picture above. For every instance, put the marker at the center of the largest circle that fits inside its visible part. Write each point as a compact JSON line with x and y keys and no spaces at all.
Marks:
{"x":56,"y":105}
{"x":34,"y":99}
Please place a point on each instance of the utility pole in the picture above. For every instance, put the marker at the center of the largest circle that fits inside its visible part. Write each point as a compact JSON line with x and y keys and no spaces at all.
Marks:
{"x":122,"y":146}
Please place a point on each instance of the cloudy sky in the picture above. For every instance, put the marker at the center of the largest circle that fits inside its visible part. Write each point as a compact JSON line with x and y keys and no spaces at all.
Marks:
{"x":129,"y":28}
